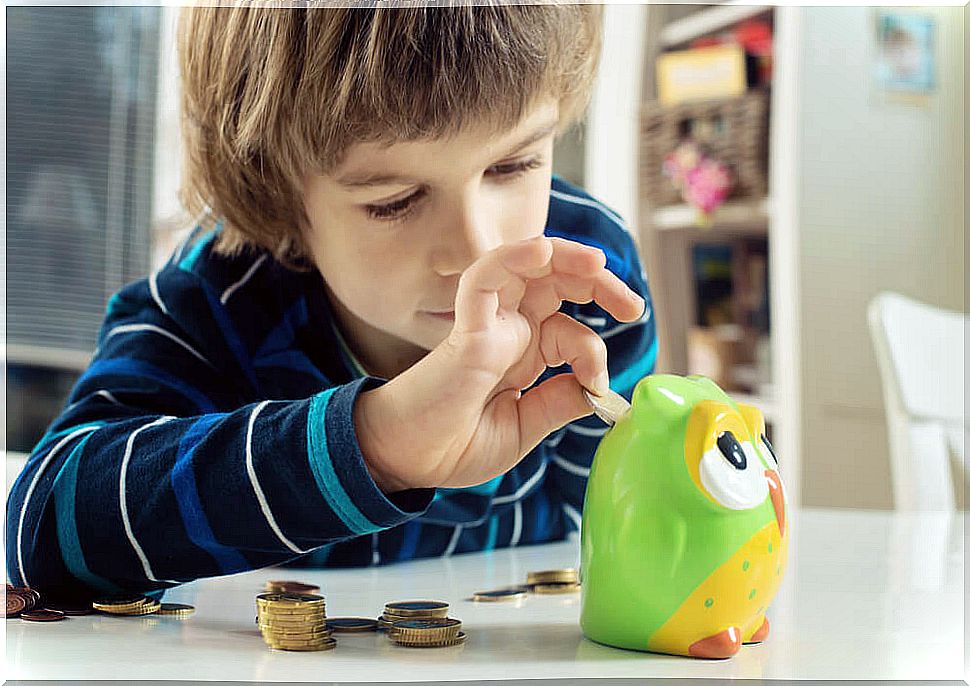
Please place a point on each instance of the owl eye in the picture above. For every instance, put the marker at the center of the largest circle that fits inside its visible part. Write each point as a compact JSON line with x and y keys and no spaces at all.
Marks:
{"x":769,"y":451}
{"x":731,"y":449}
{"x":728,"y":475}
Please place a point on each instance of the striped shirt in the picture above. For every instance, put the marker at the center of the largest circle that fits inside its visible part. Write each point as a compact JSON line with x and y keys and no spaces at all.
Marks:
{"x":212,"y":433}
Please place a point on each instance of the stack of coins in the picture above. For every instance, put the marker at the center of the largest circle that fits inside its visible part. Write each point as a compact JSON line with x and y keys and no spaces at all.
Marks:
{"x":294,"y":621}
{"x":427,"y":633}
{"x":127,"y":605}
{"x":411,"y":609}
{"x":20,"y":599}
{"x":553,"y":581}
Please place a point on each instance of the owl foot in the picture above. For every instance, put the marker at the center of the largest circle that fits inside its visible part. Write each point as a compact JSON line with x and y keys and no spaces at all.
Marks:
{"x":721,"y":645}
{"x":760,"y":635}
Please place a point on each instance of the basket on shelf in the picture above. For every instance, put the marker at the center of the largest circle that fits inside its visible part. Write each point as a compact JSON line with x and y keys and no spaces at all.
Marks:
{"x":732,"y":130}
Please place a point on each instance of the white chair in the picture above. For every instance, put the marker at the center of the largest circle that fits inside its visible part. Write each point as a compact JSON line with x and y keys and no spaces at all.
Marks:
{"x":921,"y":355}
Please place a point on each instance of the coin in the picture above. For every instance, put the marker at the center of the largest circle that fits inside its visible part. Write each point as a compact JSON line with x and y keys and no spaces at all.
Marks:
{"x":553,"y":576}
{"x":119,"y":604}
{"x":551,"y":589}
{"x":42,"y":616}
{"x":290,"y":587}
{"x":500,"y":594}
{"x":445,"y":643}
{"x":351,"y":624}
{"x":76,"y":609}
{"x":611,"y":407}
{"x":328,"y":644}
{"x":151,"y":606}
{"x":176,"y":609}
{"x":15,"y":604}
{"x":416,"y":608}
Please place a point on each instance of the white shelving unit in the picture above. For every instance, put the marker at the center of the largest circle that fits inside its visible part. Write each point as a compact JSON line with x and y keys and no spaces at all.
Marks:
{"x":667,"y":233}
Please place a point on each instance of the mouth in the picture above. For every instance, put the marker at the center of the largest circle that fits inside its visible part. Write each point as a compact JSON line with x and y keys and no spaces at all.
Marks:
{"x":447,"y":315}
{"x":777,"y":497}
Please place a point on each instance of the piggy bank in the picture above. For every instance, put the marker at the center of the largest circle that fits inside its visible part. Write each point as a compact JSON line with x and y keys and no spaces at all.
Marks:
{"x":684,"y":539}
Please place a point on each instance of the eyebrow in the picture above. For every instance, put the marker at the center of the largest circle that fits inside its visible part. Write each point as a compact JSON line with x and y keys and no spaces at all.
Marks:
{"x":378,"y":179}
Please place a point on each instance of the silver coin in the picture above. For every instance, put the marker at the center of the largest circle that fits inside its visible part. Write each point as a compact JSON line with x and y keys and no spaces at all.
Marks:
{"x":610,"y":407}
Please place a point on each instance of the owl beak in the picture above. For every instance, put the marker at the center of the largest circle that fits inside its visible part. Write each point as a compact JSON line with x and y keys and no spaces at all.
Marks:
{"x":777,"y":497}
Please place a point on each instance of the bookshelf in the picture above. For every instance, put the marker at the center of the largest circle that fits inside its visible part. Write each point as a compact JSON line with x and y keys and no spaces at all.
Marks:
{"x":670,"y":238}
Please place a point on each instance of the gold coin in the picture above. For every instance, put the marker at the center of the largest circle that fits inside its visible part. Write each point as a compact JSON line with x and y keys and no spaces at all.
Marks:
{"x":426,"y":630}
{"x":553,"y":576}
{"x":453,"y":641}
{"x":119,"y":605}
{"x":300,"y":642}
{"x":290,"y":599}
{"x":553,"y":589}
{"x":351,"y":624}
{"x":500,"y":594}
{"x":176,"y":609}
{"x":145,"y":609}
{"x":293,"y":618}
{"x":308,"y":648}
{"x":417,"y":608}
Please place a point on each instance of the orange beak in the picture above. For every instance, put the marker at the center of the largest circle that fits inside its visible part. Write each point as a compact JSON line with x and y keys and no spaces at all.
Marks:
{"x":777,"y":497}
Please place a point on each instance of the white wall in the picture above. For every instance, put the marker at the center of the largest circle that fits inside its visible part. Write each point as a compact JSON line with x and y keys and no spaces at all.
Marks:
{"x":879,"y":206}
{"x":613,"y":119}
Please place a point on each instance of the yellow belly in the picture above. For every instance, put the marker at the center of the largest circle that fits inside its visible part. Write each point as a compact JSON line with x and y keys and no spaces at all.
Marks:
{"x":736,"y":594}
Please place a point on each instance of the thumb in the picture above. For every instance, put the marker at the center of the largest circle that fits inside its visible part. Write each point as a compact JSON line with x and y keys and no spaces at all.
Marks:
{"x":550,"y":406}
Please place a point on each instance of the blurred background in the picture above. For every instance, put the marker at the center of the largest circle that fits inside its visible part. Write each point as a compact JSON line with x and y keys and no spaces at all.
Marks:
{"x":795,"y":178}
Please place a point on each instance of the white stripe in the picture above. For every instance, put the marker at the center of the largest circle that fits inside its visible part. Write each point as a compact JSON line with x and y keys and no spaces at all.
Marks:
{"x":573,"y":514}
{"x":570,"y":467}
{"x":375,"y":556}
{"x":453,"y":543}
{"x":30,"y":490}
{"x":591,"y":321}
{"x":123,"y":499}
{"x":153,"y":287}
{"x":263,"y":505}
{"x":226,"y":294}
{"x":555,"y":440}
{"x":523,"y":489}
{"x":628,"y":325}
{"x":103,"y":393}
{"x":516,"y":525}
{"x":125,"y":328}
{"x":575,"y":199}
{"x":586,"y":430}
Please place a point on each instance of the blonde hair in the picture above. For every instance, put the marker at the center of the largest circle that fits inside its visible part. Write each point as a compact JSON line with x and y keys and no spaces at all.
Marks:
{"x":271,"y":94}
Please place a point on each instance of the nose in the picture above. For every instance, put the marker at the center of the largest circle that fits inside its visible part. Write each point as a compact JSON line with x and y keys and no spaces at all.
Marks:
{"x":467,"y":233}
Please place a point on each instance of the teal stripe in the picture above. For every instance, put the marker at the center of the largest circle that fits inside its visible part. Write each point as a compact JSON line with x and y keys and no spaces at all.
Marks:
{"x":65,"y":491}
{"x":489,"y":488}
{"x":628,"y":378}
{"x":50,"y":438}
{"x":189,"y":260}
{"x":322,"y":467}
{"x":492,"y":533}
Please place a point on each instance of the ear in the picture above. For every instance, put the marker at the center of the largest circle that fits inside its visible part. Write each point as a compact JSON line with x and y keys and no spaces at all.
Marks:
{"x":753,"y":419}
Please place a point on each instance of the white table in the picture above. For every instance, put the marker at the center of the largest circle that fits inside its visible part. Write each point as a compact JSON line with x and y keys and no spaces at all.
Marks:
{"x":873,"y":595}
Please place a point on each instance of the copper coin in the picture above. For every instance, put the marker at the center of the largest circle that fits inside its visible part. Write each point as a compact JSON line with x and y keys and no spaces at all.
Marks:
{"x":15,"y":604}
{"x":70,"y":609}
{"x":42,"y":616}
{"x":29,"y":595}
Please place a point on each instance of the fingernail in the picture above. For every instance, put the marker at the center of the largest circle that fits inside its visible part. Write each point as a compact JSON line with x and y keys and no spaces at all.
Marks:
{"x":601,"y":385}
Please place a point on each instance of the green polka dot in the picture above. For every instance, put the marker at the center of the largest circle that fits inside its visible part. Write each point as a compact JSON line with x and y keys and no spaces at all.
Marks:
{"x":778,"y":571}
{"x":751,"y":595}
{"x":745,"y":566}
{"x":769,"y":547}
{"x":708,"y":602}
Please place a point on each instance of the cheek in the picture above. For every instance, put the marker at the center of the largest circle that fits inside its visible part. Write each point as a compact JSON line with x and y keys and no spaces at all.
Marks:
{"x":525,"y":211}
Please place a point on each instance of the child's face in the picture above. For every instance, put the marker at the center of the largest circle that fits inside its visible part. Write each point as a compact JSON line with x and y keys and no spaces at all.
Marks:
{"x":391,"y":249}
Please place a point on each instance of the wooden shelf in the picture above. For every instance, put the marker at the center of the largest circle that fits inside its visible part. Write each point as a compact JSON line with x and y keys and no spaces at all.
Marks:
{"x":745,"y":217}
{"x":707,"y":21}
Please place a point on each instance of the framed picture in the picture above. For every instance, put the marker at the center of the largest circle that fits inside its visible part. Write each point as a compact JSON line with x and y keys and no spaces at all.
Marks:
{"x":905,"y":55}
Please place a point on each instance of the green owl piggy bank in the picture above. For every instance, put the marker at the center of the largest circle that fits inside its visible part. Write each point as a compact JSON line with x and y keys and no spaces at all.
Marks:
{"x":684,"y":539}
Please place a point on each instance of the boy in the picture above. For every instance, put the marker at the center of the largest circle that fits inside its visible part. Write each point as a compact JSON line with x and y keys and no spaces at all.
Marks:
{"x":354,"y":365}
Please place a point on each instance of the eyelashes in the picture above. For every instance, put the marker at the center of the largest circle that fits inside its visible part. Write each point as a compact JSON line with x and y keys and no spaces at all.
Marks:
{"x":399,"y":209}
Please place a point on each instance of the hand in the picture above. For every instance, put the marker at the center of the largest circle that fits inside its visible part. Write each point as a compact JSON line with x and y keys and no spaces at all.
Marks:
{"x":459,"y":417}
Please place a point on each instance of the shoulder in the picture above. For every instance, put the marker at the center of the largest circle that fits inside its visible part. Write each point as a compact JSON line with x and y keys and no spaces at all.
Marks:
{"x":576,"y":215}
